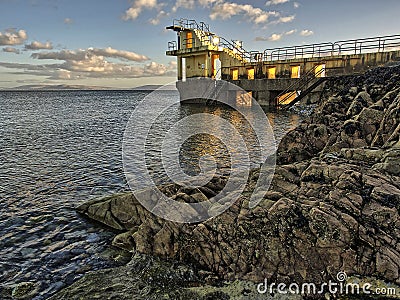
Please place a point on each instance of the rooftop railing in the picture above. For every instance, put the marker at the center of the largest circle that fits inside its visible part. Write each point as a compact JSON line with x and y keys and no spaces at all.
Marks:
{"x":191,"y":24}
{"x":207,"y":35}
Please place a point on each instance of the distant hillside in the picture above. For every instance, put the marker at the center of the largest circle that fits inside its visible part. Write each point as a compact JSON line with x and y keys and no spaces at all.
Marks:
{"x":66,"y":87}
{"x":44,"y":87}
{"x":147,"y":87}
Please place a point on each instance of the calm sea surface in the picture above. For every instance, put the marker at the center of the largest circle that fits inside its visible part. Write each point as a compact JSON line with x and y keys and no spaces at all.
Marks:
{"x":59,"y":149}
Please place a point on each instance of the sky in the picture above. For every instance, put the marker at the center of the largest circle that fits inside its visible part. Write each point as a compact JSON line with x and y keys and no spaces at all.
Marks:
{"x":122,"y":43}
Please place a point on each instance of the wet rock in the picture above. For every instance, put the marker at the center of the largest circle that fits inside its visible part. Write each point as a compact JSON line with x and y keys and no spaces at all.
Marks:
{"x":370,"y":120}
{"x":25,"y":290}
{"x":371,"y":155}
{"x":362,"y":100}
{"x":390,"y":162}
{"x":302,"y":143}
{"x":125,"y":241}
{"x":53,"y":287}
{"x":146,"y":277}
{"x":117,"y":256}
{"x":353,"y":90}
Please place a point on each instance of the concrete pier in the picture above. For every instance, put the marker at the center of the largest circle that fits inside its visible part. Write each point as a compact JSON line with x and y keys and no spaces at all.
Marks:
{"x":275,"y":76}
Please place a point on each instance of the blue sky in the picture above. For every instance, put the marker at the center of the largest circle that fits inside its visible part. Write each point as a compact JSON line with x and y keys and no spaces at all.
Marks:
{"x":121,"y":43}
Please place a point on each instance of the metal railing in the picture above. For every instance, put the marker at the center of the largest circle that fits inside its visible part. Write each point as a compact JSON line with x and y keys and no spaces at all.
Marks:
{"x":311,"y":50}
{"x":173,"y":45}
{"x":188,"y":43}
{"x":206,"y":37}
{"x":357,"y":46}
{"x":191,"y":24}
{"x":299,"y":85}
{"x":256,"y":56}
{"x":224,"y":43}
{"x":204,"y":31}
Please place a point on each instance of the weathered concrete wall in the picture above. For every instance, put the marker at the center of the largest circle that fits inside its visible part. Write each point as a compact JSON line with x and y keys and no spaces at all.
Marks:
{"x":196,"y":66}
{"x":199,"y":90}
{"x":335,"y":65}
{"x":198,"y":56}
{"x":266,"y":90}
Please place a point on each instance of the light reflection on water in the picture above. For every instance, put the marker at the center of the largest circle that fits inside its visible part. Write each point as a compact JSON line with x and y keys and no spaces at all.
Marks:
{"x":58,"y":149}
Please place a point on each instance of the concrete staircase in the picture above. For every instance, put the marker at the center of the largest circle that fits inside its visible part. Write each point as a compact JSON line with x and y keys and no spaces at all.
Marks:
{"x":203,"y":36}
{"x":234,"y":55}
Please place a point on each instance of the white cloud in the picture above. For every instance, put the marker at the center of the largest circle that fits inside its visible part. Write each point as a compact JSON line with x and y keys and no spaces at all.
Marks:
{"x":36,"y":69}
{"x":93,"y":63}
{"x":226,"y":10}
{"x":306,"y":32}
{"x":156,"y":69}
{"x":161,"y":14}
{"x":290,"y":32}
{"x":208,"y":3}
{"x":110,"y":52}
{"x":286,"y":19}
{"x":276,"y":2}
{"x":188,"y":4}
{"x":273,"y":38}
{"x":38,"y":45}
{"x":92,"y":66}
{"x":64,"y":74}
{"x":68,"y":21}
{"x":11,"y":50}
{"x":219,"y":9}
{"x":137,"y":7}
{"x":260,"y":39}
{"x":83,"y":55}
{"x":13,"y":37}
{"x":62,"y":55}
{"x":296,"y":4}
{"x":276,"y":36}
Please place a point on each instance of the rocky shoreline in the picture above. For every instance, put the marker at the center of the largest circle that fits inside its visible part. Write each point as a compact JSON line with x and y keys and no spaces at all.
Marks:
{"x":333,"y":206}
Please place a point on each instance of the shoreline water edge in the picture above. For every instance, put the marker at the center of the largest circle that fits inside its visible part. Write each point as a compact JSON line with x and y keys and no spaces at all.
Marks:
{"x":333,"y":206}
